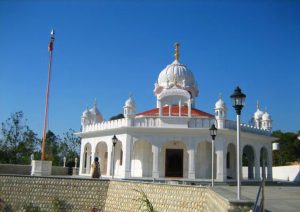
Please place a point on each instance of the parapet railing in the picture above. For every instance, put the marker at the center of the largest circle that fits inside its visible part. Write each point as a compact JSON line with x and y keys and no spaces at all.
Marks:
{"x":246,"y":128}
{"x":106,"y":125}
{"x":157,"y":122}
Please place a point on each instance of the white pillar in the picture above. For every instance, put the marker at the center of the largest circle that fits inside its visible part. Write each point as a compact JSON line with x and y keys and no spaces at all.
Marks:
{"x":269,"y":174}
{"x":160,"y":108}
{"x":191,"y":153}
{"x":109,"y":157}
{"x":93,"y":150}
{"x":179,"y":108}
{"x":155,"y":168}
{"x":220,"y":161}
{"x":189,"y":108}
{"x":126,"y":156}
{"x":257,"y":164}
{"x":170,"y":110}
{"x":81,"y":158}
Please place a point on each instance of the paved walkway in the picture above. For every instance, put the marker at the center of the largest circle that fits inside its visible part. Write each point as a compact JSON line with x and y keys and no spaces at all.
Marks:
{"x":279,"y":198}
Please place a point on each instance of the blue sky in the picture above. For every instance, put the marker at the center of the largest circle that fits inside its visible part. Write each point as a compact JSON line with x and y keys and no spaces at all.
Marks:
{"x":107,"y":49}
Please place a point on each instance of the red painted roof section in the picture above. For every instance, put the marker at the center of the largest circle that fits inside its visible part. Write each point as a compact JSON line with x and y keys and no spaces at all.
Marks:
{"x":175,"y":112}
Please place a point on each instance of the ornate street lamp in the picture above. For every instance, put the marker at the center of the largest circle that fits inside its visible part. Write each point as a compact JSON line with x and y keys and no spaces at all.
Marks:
{"x":114,"y":141}
{"x":238,"y":101}
{"x":213,"y":133}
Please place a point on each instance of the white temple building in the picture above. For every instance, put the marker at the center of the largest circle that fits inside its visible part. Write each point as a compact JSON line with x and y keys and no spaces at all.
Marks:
{"x":173,"y":139}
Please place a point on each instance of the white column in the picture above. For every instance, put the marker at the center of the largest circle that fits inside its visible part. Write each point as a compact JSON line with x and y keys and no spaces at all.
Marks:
{"x":109,"y":157}
{"x":269,"y":174}
{"x":179,"y":108}
{"x":160,"y":108}
{"x":189,"y":108}
{"x":155,"y":168}
{"x":191,"y":153}
{"x":257,"y":164}
{"x":170,"y":110}
{"x":81,"y":158}
{"x":93,"y":150}
{"x":126,"y":156}
{"x":220,"y":161}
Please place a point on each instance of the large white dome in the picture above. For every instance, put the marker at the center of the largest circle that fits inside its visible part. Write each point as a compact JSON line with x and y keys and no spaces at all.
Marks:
{"x":179,"y":75}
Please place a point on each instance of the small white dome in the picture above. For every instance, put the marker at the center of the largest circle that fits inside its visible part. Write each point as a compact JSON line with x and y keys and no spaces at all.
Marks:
{"x":220,"y":104}
{"x":86,"y":113}
{"x":97,"y":116}
{"x":266,"y":116}
{"x":258,"y":114}
{"x":130,"y":102}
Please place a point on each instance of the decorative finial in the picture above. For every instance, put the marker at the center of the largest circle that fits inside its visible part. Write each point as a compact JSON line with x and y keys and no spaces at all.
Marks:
{"x":95,"y":102}
{"x":220,"y":95}
{"x":266,"y":109}
{"x":177,"y":51}
{"x":257,"y":105}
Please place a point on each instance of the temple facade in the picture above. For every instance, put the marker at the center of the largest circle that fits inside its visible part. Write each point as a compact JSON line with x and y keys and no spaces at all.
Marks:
{"x":173,"y":140}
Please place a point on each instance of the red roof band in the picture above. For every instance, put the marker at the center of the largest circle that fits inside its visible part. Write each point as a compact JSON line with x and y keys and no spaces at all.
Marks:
{"x":175,"y":112}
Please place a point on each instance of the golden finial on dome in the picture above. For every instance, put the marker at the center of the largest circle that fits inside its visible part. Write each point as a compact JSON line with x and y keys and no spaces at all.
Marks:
{"x":177,"y":51}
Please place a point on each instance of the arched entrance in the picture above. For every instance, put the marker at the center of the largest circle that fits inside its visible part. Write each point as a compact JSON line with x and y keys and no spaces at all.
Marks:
{"x":87,"y":159}
{"x":101,"y":153}
{"x":203,"y":161}
{"x":231,"y":161}
{"x":141,"y":159}
{"x":175,"y":159}
{"x":263,"y":162}
{"x":248,"y":162}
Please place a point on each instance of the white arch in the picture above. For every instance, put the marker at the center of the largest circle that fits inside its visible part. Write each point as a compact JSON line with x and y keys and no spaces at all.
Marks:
{"x":102,"y":154}
{"x":87,"y":160}
{"x":141,"y":159}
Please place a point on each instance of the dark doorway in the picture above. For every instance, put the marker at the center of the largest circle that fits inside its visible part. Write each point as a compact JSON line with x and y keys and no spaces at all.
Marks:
{"x":174,"y":163}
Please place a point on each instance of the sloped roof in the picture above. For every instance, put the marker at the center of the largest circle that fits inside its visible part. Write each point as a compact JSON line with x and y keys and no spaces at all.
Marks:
{"x":175,"y":112}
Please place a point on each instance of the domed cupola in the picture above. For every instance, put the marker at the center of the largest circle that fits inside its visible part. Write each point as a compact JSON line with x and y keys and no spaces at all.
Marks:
{"x":266,"y":121}
{"x":176,"y":74}
{"x":257,"y":116}
{"x":86,"y":118}
{"x":129,"y":107}
{"x":96,"y":115}
{"x":220,"y":113}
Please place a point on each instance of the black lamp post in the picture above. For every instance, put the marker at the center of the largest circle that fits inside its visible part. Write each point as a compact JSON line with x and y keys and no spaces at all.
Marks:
{"x":114,"y":141}
{"x":213,"y":133}
{"x":238,"y":102}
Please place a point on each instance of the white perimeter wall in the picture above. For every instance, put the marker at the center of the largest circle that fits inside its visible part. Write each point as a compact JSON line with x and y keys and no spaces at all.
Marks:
{"x":287,"y":173}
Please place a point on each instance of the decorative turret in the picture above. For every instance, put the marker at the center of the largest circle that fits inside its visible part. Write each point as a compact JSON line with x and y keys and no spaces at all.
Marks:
{"x":96,"y":116}
{"x":266,"y":121}
{"x":85,"y":118}
{"x":91,"y":116}
{"x":129,"y":108}
{"x":257,"y":116}
{"x":220,"y":112}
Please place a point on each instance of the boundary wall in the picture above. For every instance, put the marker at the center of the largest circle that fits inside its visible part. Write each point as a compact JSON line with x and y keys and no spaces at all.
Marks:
{"x":75,"y":194}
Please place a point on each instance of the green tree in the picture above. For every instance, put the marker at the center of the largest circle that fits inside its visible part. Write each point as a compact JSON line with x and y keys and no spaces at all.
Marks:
{"x":17,"y":140}
{"x":70,"y":147}
{"x":52,"y":148}
{"x":289,"y":148}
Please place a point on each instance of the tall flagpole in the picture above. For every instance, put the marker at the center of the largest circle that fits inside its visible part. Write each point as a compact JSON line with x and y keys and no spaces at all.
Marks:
{"x":50,"y":49}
